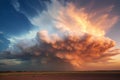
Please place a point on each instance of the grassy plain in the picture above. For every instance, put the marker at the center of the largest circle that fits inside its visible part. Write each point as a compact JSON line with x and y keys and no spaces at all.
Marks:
{"x":60,"y":75}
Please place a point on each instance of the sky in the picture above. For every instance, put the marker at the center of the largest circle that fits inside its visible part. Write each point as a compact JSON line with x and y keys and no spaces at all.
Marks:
{"x":59,"y":35}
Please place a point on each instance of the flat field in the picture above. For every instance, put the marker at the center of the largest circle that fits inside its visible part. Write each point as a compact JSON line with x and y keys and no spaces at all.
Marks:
{"x":74,"y":75}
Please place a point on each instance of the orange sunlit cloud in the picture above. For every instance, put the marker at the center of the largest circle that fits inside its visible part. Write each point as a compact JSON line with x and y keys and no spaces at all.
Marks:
{"x":72,"y":35}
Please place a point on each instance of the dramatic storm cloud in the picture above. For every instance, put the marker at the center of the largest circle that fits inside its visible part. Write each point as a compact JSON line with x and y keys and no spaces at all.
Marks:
{"x":66,"y":35}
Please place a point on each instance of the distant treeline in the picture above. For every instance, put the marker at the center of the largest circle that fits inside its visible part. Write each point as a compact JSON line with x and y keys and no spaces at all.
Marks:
{"x":63,"y":71}
{"x":11,"y":71}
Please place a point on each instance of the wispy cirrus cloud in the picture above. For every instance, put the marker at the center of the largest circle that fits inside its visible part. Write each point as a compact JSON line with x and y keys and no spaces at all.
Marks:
{"x":16,"y":4}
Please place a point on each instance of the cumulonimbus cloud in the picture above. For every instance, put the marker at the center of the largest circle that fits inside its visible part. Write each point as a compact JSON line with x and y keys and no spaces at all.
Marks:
{"x":68,"y":35}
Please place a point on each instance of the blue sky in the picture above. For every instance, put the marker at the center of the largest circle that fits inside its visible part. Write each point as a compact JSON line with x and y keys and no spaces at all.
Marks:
{"x":17,"y":20}
{"x":11,"y":22}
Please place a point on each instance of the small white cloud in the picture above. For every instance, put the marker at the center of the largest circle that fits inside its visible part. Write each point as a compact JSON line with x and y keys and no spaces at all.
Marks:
{"x":1,"y":32}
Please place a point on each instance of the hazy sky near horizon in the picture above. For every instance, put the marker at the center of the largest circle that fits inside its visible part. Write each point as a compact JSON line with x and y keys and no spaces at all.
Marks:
{"x":59,"y":34}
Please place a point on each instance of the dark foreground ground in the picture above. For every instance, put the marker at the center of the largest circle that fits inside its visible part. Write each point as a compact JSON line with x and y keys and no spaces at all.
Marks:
{"x":88,"y":75}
